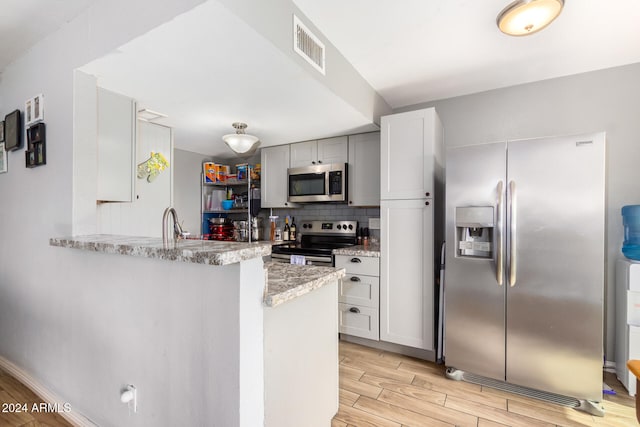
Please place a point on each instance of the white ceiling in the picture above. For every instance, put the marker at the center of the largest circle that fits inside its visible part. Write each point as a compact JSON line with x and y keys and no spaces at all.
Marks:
{"x":207,"y":68}
{"x":414,"y":51}
{"x":25,"y":22}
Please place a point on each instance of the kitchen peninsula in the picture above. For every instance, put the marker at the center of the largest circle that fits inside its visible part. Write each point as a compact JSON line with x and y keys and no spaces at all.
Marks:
{"x":209,"y":321}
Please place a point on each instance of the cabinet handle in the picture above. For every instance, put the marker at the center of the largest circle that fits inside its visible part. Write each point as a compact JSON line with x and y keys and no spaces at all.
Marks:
{"x":286,"y":204}
{"x":426,"y":203}
{"x":356,"y":260}
{"x":427,"y":194}
{"x":319,"y":161}
{"x":313,"y":163}
{"x":354,"y":310}
{"x":355,"y":279}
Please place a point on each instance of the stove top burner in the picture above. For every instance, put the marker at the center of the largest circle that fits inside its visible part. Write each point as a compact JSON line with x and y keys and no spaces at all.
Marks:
{"x":320,"y":238}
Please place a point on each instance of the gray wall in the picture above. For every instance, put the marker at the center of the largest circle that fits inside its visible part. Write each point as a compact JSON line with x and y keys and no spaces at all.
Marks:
{"x":187,"y":176}
{"x":606,"y":100}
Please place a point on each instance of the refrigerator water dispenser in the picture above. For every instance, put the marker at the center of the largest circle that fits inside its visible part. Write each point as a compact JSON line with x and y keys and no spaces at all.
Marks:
{"x":474,"y":231}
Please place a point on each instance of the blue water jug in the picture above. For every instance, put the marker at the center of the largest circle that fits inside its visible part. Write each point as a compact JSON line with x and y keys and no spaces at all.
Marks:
{"x":631,"y":222}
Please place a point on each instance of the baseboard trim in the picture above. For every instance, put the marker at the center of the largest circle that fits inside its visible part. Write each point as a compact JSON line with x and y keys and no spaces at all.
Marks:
{"x":45,"y":394}
{"x":394,"y":348}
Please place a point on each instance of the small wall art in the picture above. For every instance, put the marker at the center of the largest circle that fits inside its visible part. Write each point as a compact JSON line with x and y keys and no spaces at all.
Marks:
{"x":3,"y":158}
{"x":36,"y":153}
{"x":34,"y":110}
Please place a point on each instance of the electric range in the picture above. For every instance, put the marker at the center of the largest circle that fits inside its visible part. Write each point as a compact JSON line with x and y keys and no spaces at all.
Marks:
{"x":318,"y":239}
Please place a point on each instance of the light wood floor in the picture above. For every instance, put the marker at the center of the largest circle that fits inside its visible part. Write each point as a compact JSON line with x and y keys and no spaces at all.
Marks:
{"x":383,"y":389}
{"x":13,"y":392}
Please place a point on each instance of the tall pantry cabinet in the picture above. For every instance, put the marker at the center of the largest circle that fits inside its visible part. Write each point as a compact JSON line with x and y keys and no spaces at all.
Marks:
{"x":411,"y":213}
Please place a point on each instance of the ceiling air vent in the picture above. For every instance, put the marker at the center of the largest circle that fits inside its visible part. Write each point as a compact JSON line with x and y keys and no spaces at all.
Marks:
{"x":308,"y":45}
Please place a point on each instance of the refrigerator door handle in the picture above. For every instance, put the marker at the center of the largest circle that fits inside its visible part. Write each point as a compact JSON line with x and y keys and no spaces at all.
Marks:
{"x":499,"y":240}
{"x":513,"y":263}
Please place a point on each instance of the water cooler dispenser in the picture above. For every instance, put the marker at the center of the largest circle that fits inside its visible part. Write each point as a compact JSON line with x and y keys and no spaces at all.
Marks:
{"x":628,"y":298}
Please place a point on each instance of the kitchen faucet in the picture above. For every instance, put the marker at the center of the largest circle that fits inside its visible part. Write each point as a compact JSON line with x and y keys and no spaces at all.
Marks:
{"x":177,"y":229}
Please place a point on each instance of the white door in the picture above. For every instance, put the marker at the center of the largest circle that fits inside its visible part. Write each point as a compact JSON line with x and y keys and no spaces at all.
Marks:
{"x":408,"y":153}
{"x":304,"y":154}
{"x":116,"y":147}
{"x":333,"y":150}
{"x":406,"y":273}
{"x":274,"y":163}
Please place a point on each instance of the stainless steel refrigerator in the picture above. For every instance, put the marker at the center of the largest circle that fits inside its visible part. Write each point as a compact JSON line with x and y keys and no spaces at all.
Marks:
{"x":524,"y":291}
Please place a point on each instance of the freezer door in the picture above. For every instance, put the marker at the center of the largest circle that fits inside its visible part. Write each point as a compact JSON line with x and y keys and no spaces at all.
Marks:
{"x":474,"y":297}
{"x":555,"y":283}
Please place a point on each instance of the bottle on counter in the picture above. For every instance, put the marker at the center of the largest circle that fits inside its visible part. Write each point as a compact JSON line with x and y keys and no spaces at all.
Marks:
{"x":272,"y":229}
{"x":359,"y":235}
{"x":365,"y":237}
{"x":293,"y":230}
{"x":287,"y":229}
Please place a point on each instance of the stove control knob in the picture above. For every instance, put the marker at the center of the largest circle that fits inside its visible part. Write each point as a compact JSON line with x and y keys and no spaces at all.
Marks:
{"x":310,"y":225}
{"x":339,"y":226}
{"x":350,"y":227}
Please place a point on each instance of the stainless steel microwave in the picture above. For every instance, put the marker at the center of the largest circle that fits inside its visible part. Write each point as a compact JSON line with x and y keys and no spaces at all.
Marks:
{"x":318,"y":183}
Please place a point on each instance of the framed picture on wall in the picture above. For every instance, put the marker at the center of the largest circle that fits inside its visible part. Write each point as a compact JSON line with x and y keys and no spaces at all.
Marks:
{"x":3,"y":158}
{"x":34,"y":110}
{"x":1,"y":130}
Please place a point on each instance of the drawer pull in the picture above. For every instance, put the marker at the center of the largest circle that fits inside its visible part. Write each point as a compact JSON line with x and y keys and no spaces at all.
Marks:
{"x":355,"y":279}
{"x":356,"y":260}
{"x":354,"y":310}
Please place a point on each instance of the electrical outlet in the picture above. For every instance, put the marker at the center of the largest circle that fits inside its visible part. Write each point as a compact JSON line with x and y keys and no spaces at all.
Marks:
{"x":374,"y":223}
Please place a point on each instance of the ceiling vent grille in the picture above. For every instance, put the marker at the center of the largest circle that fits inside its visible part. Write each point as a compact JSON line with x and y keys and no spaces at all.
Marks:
{"x":308,"y":45}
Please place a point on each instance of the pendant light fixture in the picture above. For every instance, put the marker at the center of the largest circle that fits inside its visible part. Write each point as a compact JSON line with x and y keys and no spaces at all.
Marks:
{"x":524,"y":17}
{"x":240,"y":142}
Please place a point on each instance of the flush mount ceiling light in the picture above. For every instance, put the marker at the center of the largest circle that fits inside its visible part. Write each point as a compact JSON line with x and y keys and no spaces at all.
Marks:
{"x":524,"y":17}
{"x":240,"y":142}
{"x":150,"y":115}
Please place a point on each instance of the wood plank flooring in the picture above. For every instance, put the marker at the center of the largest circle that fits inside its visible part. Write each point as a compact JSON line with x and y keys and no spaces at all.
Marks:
{"x":380,"y":389}
{"x":13,"y":393}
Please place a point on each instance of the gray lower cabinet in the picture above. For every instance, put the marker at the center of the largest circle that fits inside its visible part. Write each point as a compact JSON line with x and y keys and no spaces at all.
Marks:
{"x":359,"y":296}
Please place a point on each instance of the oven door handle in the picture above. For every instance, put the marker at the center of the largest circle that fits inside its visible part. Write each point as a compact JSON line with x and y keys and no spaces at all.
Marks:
{"x":287,"y":258}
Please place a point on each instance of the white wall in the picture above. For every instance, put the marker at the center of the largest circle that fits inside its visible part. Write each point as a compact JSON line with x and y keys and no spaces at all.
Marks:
{"x":47,"y":313}
{"x":187,"y":182}
{"x":606,"y":100}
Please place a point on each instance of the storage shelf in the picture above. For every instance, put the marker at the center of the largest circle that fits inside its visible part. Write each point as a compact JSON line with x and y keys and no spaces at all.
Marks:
{"x":230,"y":182}
{"x":219,"y":211}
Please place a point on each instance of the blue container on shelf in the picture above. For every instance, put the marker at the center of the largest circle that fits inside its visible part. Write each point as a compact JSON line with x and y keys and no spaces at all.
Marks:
{"x":631,"y":223}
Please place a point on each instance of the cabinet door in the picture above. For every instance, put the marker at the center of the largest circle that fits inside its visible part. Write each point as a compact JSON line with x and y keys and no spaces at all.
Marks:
{"x":304,"y":153}
{"x":333,"y":150}
{"x":406,"y":273}
{"x":411,"y":145}
{"x":274,"y":161}
{"x":116,"y":143}
{"x":364,"y":169}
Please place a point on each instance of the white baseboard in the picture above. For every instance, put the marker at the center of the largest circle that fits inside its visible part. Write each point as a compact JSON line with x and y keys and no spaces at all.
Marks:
{"x":610,"y":366}
{"x":25,"y":378}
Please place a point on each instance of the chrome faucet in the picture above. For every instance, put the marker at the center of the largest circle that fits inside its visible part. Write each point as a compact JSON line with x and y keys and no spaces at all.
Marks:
{"x":177,"y":229}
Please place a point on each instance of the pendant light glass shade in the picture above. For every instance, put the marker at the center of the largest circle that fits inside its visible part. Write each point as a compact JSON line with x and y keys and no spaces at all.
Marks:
{"x":524,"y":17}
{"x":240,"y":142}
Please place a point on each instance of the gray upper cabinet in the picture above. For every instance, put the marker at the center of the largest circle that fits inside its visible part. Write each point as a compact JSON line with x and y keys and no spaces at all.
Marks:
{"x":330,"y":150}
{"x":410,"y":154}
{"x":116,"y":147}
{"x":364,"y":169}
{"x":274,"y":163}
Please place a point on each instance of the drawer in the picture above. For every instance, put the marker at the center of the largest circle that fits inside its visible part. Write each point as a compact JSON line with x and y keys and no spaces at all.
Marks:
{"x":359,"y":321}
{"x":359,"y":264}
{"x":359,"y":289}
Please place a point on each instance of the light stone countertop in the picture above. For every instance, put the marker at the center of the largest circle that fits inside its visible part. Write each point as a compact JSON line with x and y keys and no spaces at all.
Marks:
{"x":288,"y":281}
{"x":209,"y":252}
{"x":372,"y":250}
